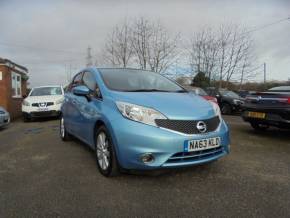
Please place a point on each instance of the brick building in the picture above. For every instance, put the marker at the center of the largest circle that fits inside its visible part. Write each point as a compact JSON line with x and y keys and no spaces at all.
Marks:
{"x":13,"y":85}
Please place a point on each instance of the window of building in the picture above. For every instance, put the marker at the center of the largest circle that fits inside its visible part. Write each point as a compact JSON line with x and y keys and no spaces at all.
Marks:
{"x":16,"y":85}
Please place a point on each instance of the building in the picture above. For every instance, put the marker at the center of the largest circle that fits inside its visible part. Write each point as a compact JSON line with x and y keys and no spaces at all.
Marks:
{"x":13,"y":85}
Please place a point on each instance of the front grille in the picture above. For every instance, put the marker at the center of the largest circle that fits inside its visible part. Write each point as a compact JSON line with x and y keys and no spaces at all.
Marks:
{"x":195,"y":155}
{"x":188,"y":126}
{"x":37,"y":104}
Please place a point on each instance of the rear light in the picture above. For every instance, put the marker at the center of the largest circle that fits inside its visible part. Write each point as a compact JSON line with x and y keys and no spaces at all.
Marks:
{"x":288,"y":100}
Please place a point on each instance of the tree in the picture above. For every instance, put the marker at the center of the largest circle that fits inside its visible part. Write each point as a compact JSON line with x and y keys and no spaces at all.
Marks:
{"x":201,"y":80}
{"x":223,"y":54}
{"x":142,"y":43}
{"x":118,"y":49}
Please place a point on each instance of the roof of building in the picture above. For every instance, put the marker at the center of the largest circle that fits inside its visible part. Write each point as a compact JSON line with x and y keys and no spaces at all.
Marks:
{"x":12,"y":64}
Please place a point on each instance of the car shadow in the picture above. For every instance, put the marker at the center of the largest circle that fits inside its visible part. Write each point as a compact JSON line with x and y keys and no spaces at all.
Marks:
{"x":44,"y":119}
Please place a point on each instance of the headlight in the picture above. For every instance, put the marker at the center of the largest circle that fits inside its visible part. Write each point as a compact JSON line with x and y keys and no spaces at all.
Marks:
{"x":216,"y":109}
{"x":25,"y":103}
{"x":236,"y":101}
{"x":139,"y":113}
{"x":60,"y":101}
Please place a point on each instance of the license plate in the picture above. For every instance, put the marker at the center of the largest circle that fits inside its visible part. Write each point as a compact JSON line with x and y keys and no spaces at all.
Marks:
{"x":202,"y":144}
{"x":256,"y":115}
{"x":43,"y":109}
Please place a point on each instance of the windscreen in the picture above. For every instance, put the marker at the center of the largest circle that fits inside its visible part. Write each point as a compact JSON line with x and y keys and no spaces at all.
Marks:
{"x":131,"y":80}
{"x":46,"y":91}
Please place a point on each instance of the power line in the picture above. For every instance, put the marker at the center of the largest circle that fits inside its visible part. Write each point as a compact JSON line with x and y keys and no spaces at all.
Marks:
{"x":266,"y":25}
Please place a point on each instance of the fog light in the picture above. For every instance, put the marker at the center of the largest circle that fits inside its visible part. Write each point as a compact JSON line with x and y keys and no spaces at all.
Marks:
{"x":147,"y":158}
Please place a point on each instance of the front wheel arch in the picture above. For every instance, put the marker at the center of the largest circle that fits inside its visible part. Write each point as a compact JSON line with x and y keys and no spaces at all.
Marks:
{"x":100,"y":123}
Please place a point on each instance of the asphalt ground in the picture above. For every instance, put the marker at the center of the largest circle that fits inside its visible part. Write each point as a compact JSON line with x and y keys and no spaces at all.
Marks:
{"x":41,"y":176}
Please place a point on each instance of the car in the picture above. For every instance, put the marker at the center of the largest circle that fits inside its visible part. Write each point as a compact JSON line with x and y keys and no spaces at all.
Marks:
{"x":140,"y":120}
{"x":199,"y":91}
{"x":229,"y":101}
{"x":43,"y":101}
{"x":4,"y":117}
{"x":270,"y":108}
{"x":244,"y":93}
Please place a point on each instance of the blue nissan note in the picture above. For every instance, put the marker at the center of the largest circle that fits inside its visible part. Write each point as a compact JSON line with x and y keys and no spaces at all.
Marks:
{"x":136,"y":119}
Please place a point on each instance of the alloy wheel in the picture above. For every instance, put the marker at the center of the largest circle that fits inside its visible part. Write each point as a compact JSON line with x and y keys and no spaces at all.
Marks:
{"x":102,"y":151}
{"x":62,"y":128}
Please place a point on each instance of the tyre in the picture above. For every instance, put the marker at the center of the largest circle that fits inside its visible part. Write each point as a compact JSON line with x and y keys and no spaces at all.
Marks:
{"x":64,"y":135}
{"x":259,"y":126}
{"x":226,"y":108}
{"x":105,"y":154}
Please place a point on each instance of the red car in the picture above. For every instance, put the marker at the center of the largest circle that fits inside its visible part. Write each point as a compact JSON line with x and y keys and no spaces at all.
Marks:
{"x":202,"y":93}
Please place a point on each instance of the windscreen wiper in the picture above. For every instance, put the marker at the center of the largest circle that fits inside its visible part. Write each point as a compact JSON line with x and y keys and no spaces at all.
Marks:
{"x":147,"y":90}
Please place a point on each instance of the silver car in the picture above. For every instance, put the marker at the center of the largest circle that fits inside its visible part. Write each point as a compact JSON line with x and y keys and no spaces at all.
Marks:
{"x":4,"y":117}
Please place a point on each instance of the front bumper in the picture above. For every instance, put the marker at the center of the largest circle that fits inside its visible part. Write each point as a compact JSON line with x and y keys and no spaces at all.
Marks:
{"x":39,"y":114}
{"x":133,"y":139}
{"x":35,"y":112}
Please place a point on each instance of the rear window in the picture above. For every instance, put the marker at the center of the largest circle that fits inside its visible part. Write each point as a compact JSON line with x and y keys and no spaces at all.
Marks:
{"x":281,"y":88}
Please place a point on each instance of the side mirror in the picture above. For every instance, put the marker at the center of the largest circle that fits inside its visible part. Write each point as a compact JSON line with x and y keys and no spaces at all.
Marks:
{"x":81,"y":91}
{"x":24,"y":96}
{"x":217,"y":96}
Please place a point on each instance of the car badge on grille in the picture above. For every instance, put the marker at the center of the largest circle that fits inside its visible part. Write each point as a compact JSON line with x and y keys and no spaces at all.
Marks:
{"x":43,"y":104}
{"x":201,"y":126}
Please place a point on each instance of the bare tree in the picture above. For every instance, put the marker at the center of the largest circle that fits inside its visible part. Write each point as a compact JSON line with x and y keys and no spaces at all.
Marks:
{"x":162,"y":49}
{"x":202,"y":51}
{"x":118,"y":49}
{"x":142,"y":43}
{"x":222,"y":54}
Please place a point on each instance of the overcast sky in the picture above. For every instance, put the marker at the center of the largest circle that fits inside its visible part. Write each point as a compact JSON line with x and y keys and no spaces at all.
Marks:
{"x":38,"y":34}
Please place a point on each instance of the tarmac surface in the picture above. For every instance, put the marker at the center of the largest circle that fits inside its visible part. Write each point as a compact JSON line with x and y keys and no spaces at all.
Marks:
{"x":41,"y":176}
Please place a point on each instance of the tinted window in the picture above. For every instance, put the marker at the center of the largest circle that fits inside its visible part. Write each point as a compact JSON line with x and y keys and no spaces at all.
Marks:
{"x":46,"y":91}
{"x":137,"y":80}
{"x":89,"y":80}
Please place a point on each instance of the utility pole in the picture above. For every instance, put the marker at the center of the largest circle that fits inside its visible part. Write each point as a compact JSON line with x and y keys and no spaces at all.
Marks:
{"x":264,"y":73}
{"x":89,"y":57}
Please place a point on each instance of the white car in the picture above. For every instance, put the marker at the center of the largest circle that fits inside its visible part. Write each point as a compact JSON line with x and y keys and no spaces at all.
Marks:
{"x":43,"y":101}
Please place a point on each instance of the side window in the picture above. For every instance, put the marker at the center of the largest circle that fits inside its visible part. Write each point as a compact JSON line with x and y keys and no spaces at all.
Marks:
{"x":77,"y":80}
{"x":89,"y":80}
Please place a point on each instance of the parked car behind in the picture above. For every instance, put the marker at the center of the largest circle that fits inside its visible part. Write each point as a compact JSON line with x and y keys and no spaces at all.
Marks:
{"x":244,"y":93}
{"x":43,"y":101}
{"x":199,"y":91}
{"x":270,"y":108}
{"x":229,"y":101}
{"x":4,"y":117}
{"x":136,"y":119}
